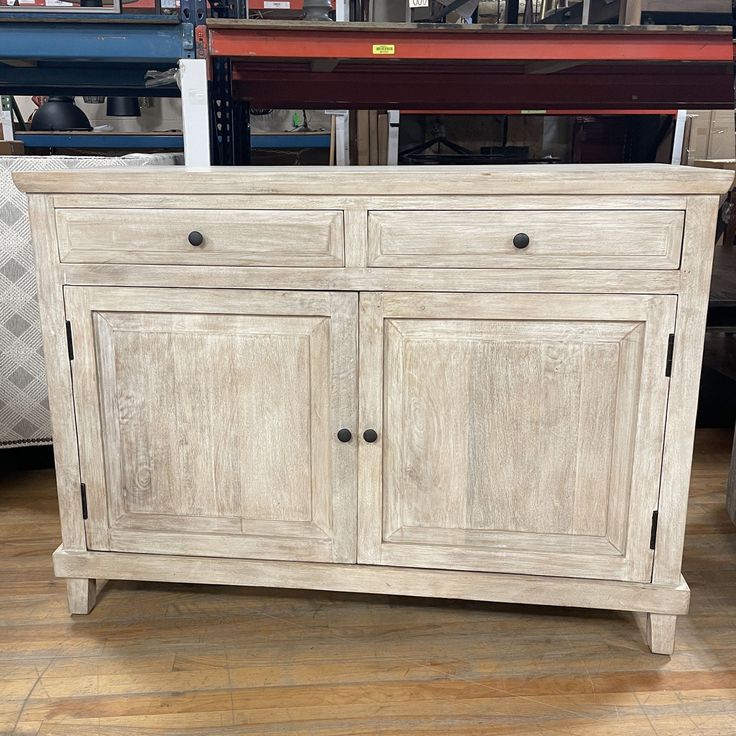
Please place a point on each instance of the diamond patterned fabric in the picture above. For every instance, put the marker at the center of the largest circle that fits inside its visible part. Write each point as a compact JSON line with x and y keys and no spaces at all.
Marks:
{"x":24,"y":405}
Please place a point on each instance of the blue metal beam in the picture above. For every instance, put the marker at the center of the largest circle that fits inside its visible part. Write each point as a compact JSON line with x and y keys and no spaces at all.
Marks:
{"x":111,"y":41}
{"x":100,"y":140}
{"x":48,"y":78}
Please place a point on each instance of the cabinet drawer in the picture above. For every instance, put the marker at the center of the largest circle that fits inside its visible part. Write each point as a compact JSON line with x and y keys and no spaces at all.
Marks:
{"x":618,"y":239}
{"x":229,"y":237}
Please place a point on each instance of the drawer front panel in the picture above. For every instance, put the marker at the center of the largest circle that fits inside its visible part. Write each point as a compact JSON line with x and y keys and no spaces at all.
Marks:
{"x":301,"y":238}
{"x":594,"y":239}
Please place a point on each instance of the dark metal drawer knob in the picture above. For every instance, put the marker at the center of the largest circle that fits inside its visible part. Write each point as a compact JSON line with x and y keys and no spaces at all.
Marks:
{"x":195,"y":238}
{"x":521,"y":240}
{"x":370,"y":435}
{"x":344,"y":435}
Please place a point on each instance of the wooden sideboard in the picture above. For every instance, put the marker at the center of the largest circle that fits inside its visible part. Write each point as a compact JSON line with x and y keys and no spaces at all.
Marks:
{"x":471,"y":383}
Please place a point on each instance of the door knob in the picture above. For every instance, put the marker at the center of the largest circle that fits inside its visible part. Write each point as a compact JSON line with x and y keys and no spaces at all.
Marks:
{"x":370,"y":435}
{"x":195,"y":238}
{"x":521,"y":240}
{"x":344,"y":435}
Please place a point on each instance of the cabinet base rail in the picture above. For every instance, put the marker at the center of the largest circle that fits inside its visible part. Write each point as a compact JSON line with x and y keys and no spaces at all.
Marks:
{"x":661,"y":603}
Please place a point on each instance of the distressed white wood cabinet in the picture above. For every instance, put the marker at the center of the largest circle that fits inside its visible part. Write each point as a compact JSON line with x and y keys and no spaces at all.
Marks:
{"x":458,"y":382}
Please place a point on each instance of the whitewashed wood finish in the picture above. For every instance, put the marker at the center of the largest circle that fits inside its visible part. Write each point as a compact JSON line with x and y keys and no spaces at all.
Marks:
{"x":231,"y":237}
{"x":586,"y":180}
{"x":660,"y":632}
{"x":463,"y":396}
{"x":649,"y":239}
{"x":81,"y":594}
{"x":535,"y":589}
{"x":519,"y":435}
{"x":218,"y":292}
{"x":376,"y":201}
{"x":215,"y":414}
{"x":507,"y":280}
{"x":58,"y":372}
{"x":697,"y":264}
{"x":356,"y":238}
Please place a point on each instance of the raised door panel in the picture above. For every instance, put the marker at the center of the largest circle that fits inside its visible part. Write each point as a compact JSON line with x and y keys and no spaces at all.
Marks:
{"x":517,"y":433}
{"x":208,"y":420}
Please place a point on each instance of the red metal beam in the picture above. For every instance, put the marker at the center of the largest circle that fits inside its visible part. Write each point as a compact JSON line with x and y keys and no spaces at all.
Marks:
{"x":386,"y":44}
{"x":531,"y":112}
{"x":443,"y":87}
{"x":476,"y":67}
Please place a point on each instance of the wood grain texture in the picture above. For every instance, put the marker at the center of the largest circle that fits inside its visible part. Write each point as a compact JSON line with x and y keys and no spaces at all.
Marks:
{"x":58,"y":372}
{"x":697,"y":262}
{"x":306,"y":238}
{"x":506,"y":280}
{"x":604,"y":179}
{"x":81,"y":595}
{"x":485,"y":348}
{"x":649,"y":239}
{"x":356,"y":237}
{"x":502,"y":588}
{"x":169,"y":658}
{"x":370,"y":416}
{"x":661,"y":633}
{"x":490,"y":416}
{"x":217,"y":431}
{"x":464,"y":396}
{"x":377,"y":201}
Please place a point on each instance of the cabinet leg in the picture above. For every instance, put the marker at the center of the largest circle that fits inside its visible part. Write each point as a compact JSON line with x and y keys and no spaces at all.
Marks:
{"x":660,"y":632}
{"x":82,"y":593}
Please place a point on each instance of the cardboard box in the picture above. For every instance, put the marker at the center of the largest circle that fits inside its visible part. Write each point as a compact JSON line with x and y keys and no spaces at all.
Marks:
{"x":526,"y":131}
{"x":11,"y":148}
{"x":711,"y":135}
{"x":717,"y":163}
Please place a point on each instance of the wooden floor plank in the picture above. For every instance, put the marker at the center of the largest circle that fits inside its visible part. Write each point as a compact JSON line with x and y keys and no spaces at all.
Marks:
{"x":212,"y":660}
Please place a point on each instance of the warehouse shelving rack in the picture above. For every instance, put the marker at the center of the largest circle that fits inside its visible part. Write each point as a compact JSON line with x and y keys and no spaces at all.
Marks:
{"x":284,"y":64}
{"x":472,"y":67}
{"x":95,"y":53}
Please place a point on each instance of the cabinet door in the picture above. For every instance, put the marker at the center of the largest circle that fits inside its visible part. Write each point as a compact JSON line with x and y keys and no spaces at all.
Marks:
{"x":207,"y":421}
{"x":517,"y":432}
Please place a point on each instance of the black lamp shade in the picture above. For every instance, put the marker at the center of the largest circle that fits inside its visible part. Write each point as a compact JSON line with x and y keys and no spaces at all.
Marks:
{"x":123,"y":107}
{"x":60,"y":113}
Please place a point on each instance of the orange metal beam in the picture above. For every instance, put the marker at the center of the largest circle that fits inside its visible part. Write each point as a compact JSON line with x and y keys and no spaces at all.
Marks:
{"x":385,"y":44}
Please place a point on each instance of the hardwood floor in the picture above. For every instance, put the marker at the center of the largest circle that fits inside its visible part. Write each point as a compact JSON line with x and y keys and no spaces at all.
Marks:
{"x":205,"y":660}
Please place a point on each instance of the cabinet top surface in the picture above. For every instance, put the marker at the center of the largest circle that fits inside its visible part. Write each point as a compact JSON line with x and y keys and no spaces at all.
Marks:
{"x":623,"y":179}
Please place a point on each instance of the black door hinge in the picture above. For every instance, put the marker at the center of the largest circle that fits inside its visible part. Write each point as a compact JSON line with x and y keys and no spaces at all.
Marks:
{"x":670,"y":351}
{"x":653,"y":535}
{"x":83,"y":493}
{"x":69,"y":343}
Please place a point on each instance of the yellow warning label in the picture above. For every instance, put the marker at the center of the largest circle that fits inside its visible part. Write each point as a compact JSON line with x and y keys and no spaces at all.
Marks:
{"x":383,"y":49}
